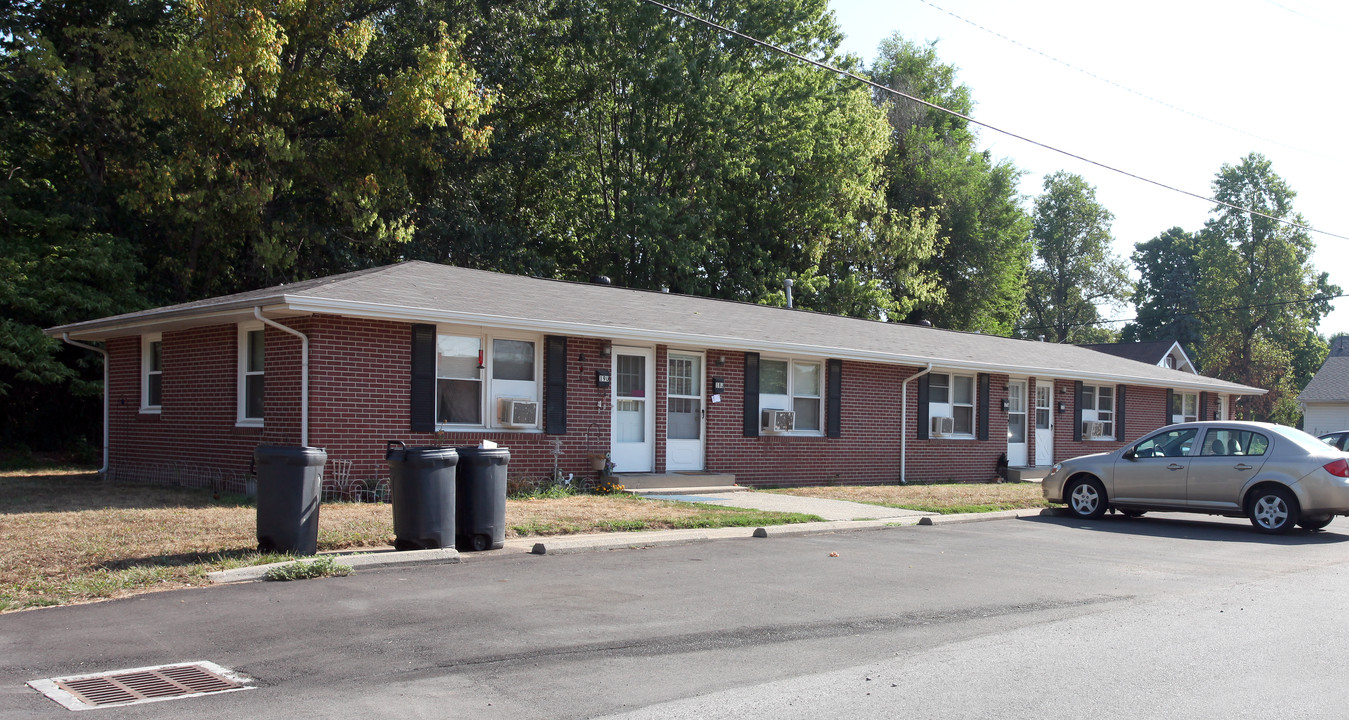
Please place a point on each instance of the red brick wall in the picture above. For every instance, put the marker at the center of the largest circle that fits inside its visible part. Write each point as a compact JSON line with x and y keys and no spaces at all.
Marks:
{"x":193,"y":440}
{"x":359,"y":399}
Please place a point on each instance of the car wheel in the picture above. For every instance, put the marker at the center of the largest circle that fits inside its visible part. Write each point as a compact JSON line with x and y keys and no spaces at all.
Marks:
{"x":1273,"y":510}
{"x":1315,"y":522}
{"x":1086,"y":498}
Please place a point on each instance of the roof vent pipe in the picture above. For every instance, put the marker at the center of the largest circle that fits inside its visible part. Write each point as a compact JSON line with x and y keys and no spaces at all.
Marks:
{"x":788,"y":285}
{"x":601,"y":280}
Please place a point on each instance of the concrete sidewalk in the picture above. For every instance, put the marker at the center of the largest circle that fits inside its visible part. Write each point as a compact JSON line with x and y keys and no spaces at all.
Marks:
{"x":840,"y":516}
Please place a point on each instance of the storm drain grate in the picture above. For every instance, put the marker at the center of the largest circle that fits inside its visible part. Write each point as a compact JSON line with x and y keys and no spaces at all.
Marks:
{"x":140,"y":685}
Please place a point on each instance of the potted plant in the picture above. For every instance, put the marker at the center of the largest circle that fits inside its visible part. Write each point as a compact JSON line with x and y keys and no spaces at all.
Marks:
{"x":598,"y":461}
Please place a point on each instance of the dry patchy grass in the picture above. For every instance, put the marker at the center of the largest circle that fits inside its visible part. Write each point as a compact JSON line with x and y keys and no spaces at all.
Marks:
{"x":68,"y":537}
{"x":944,"y":498}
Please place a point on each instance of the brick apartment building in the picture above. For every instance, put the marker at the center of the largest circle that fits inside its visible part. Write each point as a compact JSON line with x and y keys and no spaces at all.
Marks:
{"x":560,"y":372}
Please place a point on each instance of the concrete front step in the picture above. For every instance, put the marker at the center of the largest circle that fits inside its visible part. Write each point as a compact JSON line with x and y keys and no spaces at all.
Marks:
{"x":710,"y":490}
{"x":675,"y":481}
{"x":1027,"y":474}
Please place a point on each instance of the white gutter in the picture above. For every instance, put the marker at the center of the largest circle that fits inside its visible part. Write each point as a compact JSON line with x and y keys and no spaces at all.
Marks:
{"x":304,"y":372}
{"x":904,"y":424}
{"x":66,"y":336}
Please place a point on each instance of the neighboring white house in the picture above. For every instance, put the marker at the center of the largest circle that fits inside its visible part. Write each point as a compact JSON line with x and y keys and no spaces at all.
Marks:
{"x":1162,"y":353}
{"x":1325,"y":400}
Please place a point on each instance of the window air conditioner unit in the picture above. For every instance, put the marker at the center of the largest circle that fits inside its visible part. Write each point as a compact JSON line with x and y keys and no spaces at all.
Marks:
{"x":942,"y":426}
{"x":778,"y":421}
{"x":518,"y":412}
{"x":1092,"y":429}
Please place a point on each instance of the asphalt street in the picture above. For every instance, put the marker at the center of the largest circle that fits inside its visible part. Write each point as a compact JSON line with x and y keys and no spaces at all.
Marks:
{"x":1033,"y":617}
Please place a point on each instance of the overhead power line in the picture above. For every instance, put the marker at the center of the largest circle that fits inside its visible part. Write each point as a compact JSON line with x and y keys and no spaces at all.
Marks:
{"x":1194,"y":313}
{"x":966,"y":118}
{"x":1125,"y":88}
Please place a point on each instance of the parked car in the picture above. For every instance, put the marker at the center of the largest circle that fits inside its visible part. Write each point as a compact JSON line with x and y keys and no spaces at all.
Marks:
{"x":1276,"y":475}
{"x":1338,"y":440}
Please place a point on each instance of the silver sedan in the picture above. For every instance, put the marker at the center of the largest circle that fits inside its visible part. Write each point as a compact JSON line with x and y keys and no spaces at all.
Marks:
{"x":1275,"y":475}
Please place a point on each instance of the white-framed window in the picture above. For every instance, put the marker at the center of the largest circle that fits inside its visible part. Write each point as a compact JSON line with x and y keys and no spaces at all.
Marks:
{"x":152,"y":373}
{"x":1184,"y":407}
{"x":252,"y":361}
{"x":951,"y":395}
{"x":795,"y":385}
{"x":478,"y":378}
{"x":1098,"y":406}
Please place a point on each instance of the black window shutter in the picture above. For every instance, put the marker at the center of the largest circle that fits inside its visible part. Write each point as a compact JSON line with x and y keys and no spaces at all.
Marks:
{"x":1166,"y":418}
{"x":1203,"y":406}
{"x":834,"y":381}
{"x":982,"y":431}
{"x":555,"y":382}
{"x":751,"y":394}
{"x":1077,"y":411}
{"x":423,"y":391}
{"x":922,"y":428}
{"x":1120,"y":397}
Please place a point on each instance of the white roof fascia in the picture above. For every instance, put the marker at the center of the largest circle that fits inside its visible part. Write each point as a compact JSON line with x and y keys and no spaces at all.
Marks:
{"x":155,"y":322}
{"x":380,"y":311}
{"x":1175,"y":345}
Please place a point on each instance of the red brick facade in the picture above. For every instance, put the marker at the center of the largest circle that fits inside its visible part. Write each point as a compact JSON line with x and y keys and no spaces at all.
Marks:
{"x":360,"y":397}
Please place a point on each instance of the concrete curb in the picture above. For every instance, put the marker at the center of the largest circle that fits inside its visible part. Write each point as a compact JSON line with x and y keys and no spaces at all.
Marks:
{"x":357,"y":561}
{"x":984,"y":517}
{"x":575,"y":544}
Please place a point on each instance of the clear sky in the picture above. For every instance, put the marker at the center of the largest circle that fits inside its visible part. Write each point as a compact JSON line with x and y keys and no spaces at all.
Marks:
{"x":1271,"y":71}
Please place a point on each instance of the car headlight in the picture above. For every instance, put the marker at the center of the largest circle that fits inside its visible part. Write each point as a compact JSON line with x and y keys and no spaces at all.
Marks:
{"x":1057,"y":467}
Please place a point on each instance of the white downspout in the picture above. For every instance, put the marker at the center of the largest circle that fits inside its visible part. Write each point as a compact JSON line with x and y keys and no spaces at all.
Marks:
{"x":304,"y":372}
{"x":66,"y":336}
{"x":904,"y":425}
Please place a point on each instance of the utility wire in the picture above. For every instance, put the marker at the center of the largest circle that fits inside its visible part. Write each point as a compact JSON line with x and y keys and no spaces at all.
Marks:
{"x":1193,"y":313}
{"x":1125,"y":88}
{"x":1317,"y":21}
{"x":966,"y":118}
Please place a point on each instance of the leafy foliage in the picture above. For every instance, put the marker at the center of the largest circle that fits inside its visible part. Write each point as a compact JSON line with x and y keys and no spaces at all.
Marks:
{"x":324,"y":566}
{"x":1074,"y":270}
{"x":933,"y":167}
{"x":1258,"y":272}
{"x":1165,"y":295}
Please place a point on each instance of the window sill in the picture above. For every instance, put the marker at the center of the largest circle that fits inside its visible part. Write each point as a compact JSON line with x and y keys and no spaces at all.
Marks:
{"x":249,"y":424}
{"x":151,"y":410}
{"x":485,"y":429}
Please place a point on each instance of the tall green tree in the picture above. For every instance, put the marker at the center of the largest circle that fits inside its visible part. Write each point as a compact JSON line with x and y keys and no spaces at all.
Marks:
{"x":1165,"y":295}
{"x":933,"y":165}
{"x":1258,"y":272}
{"x":67,"y":252}
{"x":296,"y":140}
{"x":1074,"y":270}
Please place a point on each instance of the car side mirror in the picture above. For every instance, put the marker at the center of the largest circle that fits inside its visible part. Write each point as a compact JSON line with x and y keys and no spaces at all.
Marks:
{"x":1130,"y":454}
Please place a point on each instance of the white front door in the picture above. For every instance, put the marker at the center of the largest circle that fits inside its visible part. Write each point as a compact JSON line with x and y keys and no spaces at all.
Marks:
{"x":1044,"y":422}
{"x":633,"y":446}
{"x":684,"y":412}
{"x":1016,"y":423}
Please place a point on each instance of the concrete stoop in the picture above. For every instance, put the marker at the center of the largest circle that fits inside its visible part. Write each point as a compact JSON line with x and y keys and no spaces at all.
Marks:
{"x":677,"y":483}
{"x":1027,"y":474}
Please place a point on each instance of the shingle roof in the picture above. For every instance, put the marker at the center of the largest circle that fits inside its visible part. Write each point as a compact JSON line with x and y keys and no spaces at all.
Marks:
{"x":1150,"y":351}
{"x":427,"y":292}
{"x":1330,"y":384}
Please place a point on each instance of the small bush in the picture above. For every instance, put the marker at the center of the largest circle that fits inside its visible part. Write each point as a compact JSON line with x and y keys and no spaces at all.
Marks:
{"x":324,"y":566}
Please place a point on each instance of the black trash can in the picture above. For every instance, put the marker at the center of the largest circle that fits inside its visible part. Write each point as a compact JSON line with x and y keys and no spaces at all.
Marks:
{"x":422,"y":482}
{"x":288,"y":498}
{"x":480,"y":483}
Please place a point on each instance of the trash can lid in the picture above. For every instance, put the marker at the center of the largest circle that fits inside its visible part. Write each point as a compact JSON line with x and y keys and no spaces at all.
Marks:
{"x":289,"y":455}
